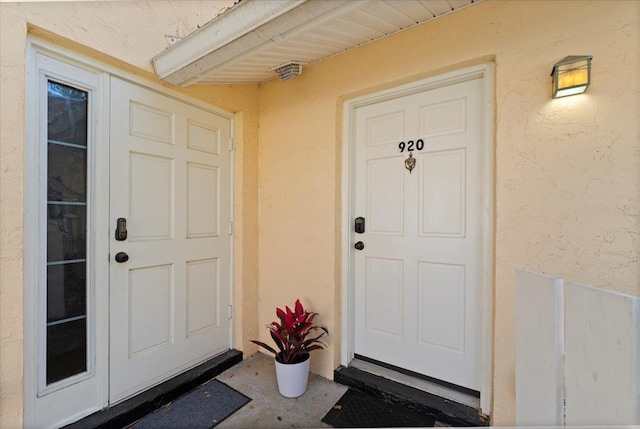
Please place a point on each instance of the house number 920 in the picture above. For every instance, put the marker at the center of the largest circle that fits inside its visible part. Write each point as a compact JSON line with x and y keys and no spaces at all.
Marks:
{"x":411,"y":145}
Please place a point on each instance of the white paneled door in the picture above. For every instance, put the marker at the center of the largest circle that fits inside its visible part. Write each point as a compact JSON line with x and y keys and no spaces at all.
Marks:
{"x":170,"y":181}
{"x":418,"y":277}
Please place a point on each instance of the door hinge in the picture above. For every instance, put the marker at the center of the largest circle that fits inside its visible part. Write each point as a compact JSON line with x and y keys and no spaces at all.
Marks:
{"x":230,"y":143}
{"x":230,"y":228}
{"x":230,"y":311}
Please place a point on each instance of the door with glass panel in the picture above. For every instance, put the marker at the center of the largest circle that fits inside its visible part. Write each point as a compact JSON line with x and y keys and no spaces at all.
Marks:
{"x":64,"y":374}
{"x":100,"y":328}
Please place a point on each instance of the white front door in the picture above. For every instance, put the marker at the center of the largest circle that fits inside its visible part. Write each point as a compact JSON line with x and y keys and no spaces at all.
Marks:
{"x":418,"y":277}
{"x":170,"y":181}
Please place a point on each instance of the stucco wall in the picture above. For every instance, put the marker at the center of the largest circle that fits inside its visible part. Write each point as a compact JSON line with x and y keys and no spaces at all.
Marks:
{"x":567,"y":171}
{"x":125,"y":35}
{"x":567,"y":179}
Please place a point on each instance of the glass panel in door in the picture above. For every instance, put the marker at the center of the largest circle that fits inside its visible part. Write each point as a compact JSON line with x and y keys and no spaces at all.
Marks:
{"x":66,"y":339}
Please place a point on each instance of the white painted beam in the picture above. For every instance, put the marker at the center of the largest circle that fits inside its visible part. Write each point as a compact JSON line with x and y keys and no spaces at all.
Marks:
{"x":248,"y":28}
{"x":241,"y":19}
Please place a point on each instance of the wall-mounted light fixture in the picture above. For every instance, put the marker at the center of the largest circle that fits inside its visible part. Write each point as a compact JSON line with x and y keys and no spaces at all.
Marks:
{"x":571,"y":75}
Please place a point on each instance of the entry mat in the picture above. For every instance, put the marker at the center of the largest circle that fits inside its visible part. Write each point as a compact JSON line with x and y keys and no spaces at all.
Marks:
{"x":202,"y":408}
{"x":357,"y":410}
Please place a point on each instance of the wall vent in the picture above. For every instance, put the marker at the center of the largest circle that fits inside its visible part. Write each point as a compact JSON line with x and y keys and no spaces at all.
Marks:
{"x":289,"y":71}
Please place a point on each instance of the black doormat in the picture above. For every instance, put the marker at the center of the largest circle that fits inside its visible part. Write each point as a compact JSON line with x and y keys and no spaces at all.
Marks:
{"x":202,"y":408}
{"x":358,"y":410}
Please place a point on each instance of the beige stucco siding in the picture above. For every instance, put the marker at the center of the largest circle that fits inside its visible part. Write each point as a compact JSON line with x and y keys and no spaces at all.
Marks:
{"x":567,"y":179}
{"x":567,"y":171}
{"x":125,"y":35}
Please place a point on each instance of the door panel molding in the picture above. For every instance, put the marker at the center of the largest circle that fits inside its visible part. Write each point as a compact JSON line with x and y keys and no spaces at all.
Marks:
{"x":486,"y":73}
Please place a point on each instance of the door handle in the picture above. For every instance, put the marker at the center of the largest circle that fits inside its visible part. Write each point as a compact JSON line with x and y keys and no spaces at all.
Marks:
{"x":121,"y":229}
{"x":121,"y":257}
{"x":359,"y":245}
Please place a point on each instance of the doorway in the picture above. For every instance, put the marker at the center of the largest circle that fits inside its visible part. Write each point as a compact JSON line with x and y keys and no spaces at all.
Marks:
{"x":417,"y":235}
{"x":128,"y":237}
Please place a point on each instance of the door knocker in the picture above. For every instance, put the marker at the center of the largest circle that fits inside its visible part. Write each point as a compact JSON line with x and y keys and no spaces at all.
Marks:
{"x":410,"y":162}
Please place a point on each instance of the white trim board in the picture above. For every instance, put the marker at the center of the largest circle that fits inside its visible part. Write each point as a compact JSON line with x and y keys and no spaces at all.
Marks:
{"x":486,"y":72}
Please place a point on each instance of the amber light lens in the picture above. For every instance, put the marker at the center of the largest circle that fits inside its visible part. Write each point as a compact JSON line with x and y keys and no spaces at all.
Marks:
{"x":571,"y":77}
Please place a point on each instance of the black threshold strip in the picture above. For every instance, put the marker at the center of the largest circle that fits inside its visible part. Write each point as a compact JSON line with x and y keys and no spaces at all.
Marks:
{"x":461,"y":389}
{"x":133,"y":409}
{"x":410,"y":398}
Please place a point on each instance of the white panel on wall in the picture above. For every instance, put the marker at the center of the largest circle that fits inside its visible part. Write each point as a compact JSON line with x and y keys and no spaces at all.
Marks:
{"x":151,"y":197}
{"x":384,"y":294}
{"x":203,"y":201}
{"x":443,"y":118}
{"x":602,"y":360}
{"x":443,"y":193}
{"x":151,"y":123}
{"x":385,"y":129}
{"x":203,"y":137}
{"x":203,"y":285}
{"x":150,"y":308}
{"x":442,"y":292}
{"x":385,"y":190}
{"x":539,"y":348}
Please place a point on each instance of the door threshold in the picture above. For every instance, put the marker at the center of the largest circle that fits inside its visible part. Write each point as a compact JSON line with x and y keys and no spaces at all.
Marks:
{"x":445,"y":390}
{"x":412,"y":393}
{"x":131,"y":410}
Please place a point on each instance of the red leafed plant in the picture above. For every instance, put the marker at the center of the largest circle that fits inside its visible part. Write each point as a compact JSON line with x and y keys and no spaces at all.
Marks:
{"x":294,"y":334}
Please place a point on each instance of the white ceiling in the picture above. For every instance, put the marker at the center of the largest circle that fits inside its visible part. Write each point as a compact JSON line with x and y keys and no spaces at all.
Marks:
{"x":248,"y":41}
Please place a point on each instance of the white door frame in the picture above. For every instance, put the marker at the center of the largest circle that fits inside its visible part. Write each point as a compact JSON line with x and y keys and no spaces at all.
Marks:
{"x":486,"y":72}
{"x":32,"y":189}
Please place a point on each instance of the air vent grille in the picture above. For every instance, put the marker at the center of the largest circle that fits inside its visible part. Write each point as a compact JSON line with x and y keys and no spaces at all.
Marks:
{"x":289,"y":71}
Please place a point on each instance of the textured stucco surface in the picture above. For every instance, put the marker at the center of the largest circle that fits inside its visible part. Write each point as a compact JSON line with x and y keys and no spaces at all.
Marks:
{"x":567,"y":171}
{"x":125,"y":35}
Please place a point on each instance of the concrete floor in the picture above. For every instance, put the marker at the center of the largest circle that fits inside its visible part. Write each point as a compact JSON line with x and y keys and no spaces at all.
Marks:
{"x":255,"y":377}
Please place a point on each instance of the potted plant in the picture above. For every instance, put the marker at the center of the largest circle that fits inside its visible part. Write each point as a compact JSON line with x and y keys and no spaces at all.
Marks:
{"x":294,"y":337}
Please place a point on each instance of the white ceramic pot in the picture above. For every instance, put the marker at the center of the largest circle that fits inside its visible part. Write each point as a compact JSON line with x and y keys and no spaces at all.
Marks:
{"x":292,"y":378}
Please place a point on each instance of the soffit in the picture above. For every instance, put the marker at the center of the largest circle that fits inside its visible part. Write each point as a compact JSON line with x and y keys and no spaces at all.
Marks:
{"x":247,"y":42}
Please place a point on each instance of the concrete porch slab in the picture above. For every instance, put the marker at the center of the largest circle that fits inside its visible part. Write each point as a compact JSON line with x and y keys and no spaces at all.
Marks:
{"x":255,"y":377}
